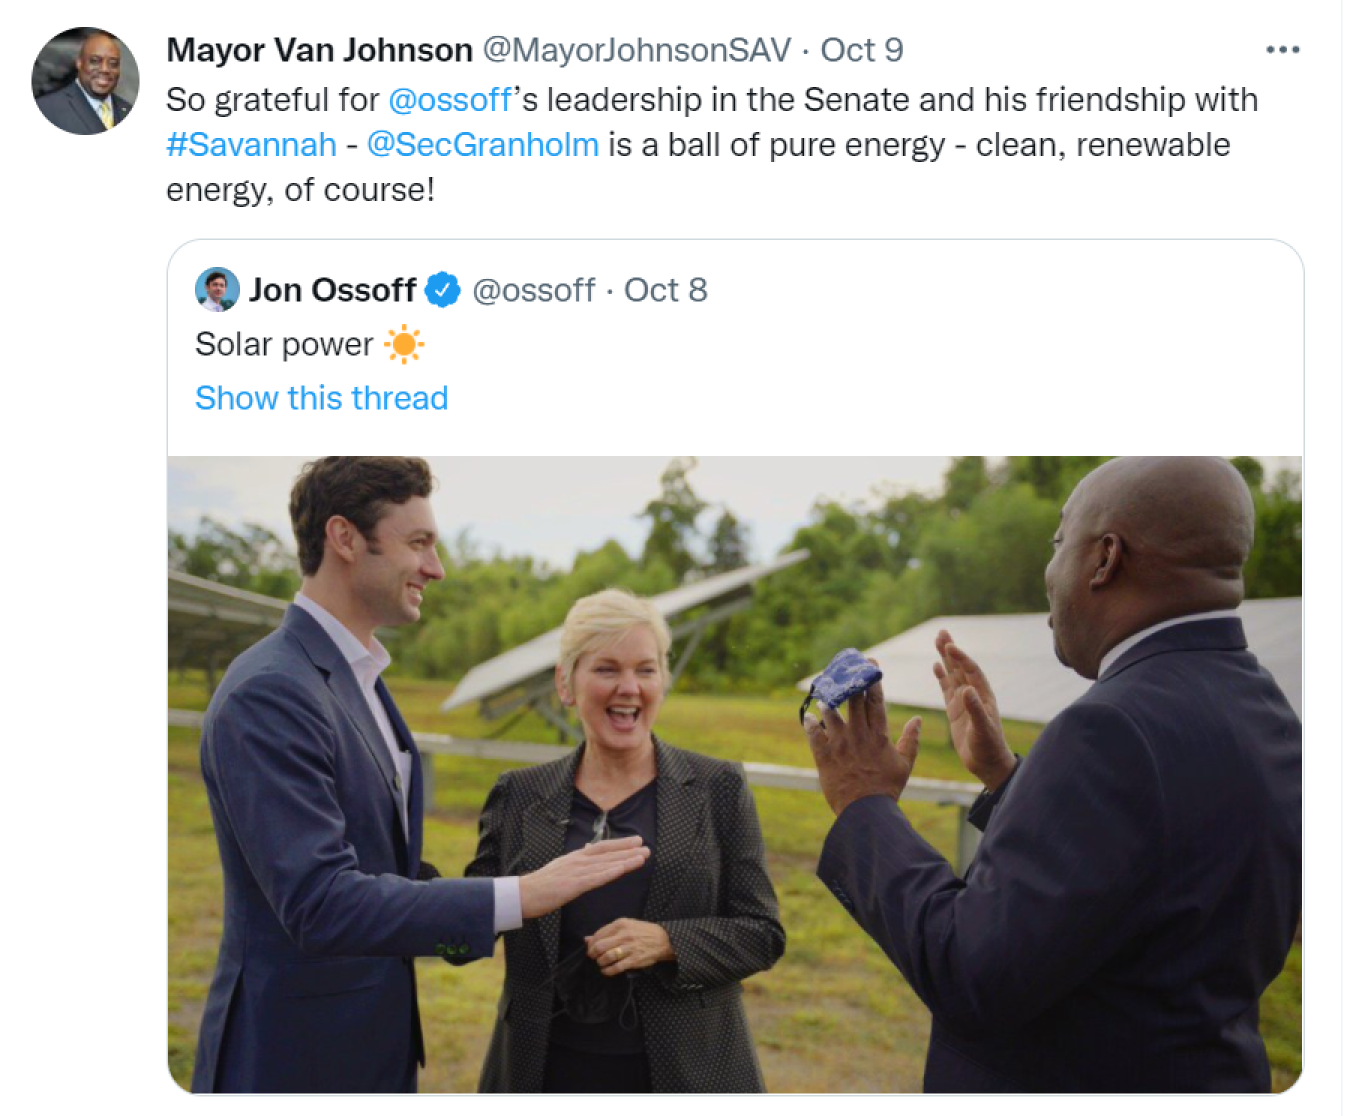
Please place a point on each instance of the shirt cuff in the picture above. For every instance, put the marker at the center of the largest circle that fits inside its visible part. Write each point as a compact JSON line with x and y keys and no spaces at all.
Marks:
{"x":506,"y":905}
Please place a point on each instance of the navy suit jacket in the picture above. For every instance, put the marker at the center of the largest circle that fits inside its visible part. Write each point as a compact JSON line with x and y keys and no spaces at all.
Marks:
{"x":68,"y":108}
{"x":1137,"y":887}
{"x":314,"y":990}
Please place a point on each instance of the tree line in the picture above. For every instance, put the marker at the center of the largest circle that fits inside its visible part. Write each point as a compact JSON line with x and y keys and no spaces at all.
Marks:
{"x":875,"y":569}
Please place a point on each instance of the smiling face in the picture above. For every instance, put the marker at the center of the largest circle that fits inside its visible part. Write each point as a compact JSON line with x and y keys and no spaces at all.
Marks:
{"x":99,"y":66}
{"x":216,"y":288}
{"x":618,"y":688}
{"x":392,"y":568}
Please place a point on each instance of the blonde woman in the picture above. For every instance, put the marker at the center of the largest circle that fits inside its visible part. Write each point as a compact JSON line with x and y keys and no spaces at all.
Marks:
{"x":636,"y":987}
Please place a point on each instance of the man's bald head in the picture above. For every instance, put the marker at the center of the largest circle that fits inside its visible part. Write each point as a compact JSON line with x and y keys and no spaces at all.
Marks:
{"x":1183,"y":516}
{"x":99,"y":64}
{"x":1142,"y":540}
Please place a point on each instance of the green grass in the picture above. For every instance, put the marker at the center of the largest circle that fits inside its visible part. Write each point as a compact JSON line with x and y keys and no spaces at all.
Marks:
{"x":832,"y":1016}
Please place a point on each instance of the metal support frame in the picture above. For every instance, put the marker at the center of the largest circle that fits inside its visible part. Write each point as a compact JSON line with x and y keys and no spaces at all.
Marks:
{"x":538,"y":695}
{"x":548,"y":708}
{"x":698,"y":627}
{"x":529,"y":695}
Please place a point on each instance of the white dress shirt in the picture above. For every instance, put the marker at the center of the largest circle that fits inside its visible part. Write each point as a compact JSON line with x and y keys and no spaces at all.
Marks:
{"x":367,"y":664}
{"x":211,"y":306}
{"x":1129,"y":641}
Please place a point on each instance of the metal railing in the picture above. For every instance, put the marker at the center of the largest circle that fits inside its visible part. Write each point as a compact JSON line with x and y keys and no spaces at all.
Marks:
{"x":943,"y":792}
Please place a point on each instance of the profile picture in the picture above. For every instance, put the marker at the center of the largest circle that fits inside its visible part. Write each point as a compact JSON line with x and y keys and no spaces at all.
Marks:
{"x":217,"y":289}
{"x":85,"y":81}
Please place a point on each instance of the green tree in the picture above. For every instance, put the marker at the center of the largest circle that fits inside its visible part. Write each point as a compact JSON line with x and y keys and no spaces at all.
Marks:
{"x":899,"y":521}
{"x":674,"y":520}
{"x":1052,"y":478}
{"x":963,"y":482}
{"x":1253,"y":472}
{"x":468,"y":617}
{"x":796,"y":612}
{"x":873,"y":571}
{"x":992,"y":559}
{"x":729,"y":544}
{"x":251,"y":557}
{"x":1275,"y":568}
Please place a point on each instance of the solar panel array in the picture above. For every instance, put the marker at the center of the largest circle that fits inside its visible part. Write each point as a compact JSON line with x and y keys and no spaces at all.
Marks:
{"x":530,"y":661}
{"x":1017,"y":655}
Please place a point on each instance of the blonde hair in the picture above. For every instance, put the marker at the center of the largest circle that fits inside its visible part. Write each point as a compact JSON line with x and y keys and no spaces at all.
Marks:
{"x":604,"y":618}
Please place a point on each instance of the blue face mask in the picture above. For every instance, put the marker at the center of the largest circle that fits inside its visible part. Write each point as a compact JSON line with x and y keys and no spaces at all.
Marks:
{"x":848,"y":674}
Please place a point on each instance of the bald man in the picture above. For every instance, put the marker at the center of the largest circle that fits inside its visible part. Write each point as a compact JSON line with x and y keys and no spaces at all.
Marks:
{"x":1138,"y":883}
{"x":88,"y":106}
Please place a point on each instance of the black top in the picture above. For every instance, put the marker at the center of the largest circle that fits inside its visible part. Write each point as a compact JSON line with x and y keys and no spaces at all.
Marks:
{"x":709,"y":890}
{"x":609,"y":1022}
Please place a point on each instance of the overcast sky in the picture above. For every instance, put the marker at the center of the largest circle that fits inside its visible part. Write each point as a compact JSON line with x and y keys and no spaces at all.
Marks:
{"x":553,"y":507}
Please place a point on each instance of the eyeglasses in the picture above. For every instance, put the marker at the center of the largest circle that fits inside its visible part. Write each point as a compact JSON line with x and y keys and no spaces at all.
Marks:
{"x":600,"y":830}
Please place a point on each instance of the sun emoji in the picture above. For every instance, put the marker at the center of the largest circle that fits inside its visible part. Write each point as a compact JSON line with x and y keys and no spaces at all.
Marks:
{"x":404,"y":344}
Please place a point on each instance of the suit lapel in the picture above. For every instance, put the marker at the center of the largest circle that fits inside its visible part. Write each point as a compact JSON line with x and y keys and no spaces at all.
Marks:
{"x":345,"y":688}
{"x":677,"y":796}
{"x":415,"y":789}
{"x":545,"y":832}
{"x":80,"y":105}
{"x":324,"y":653}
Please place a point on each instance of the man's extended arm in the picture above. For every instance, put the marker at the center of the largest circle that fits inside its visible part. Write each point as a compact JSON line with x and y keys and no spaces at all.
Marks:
{"x":269,"y":754}
{"x":1059,"y":884}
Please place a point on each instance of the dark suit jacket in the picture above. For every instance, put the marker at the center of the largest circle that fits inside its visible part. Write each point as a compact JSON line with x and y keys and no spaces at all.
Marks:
{"x":1138,"y":886}
{"x":68,"y":108}
{"x":709,"y":889}
{"x":314,"y":989}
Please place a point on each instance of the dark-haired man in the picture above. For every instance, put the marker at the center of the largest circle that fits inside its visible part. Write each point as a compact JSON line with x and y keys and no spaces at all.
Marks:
{"x":1138,"y":884}
{"x":88,"y":106}
{"x":315,"y":791}
{"x":214,"y":301}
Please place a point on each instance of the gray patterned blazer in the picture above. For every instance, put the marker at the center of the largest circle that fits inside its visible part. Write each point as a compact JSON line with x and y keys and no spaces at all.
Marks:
{"x":709,"y":889}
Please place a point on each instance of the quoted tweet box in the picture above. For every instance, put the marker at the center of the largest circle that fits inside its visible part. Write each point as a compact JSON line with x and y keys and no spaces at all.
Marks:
{"x":815,"y":346}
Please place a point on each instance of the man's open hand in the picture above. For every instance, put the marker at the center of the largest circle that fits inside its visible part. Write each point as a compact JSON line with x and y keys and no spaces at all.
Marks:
{"x":578,"y":872}
{"x":977,"y":731}
{"x":856,"y":759}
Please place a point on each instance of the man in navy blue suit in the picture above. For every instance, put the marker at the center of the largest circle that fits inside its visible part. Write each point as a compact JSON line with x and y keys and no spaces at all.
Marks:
{"x":1138,"y":883}
{"x":88,"y":106}
{"x":316,"y":795}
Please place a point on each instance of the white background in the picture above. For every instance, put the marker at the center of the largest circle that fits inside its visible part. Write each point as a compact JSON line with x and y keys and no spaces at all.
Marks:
{"x":851,"y":343}
{"x":90,"y":237}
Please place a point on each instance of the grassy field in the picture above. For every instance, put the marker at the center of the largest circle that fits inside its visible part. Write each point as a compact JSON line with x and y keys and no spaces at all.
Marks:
{"x":832,"y":1016}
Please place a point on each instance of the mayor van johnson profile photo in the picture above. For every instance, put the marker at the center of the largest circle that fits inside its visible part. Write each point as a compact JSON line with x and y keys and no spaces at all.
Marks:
{"x":85,"y":81}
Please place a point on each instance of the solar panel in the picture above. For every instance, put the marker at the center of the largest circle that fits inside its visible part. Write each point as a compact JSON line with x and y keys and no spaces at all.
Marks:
{"x":210,"y":623}
{"x":533,"y":662}
{"x":1017,"y":656}
{"x":196,"y":596}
